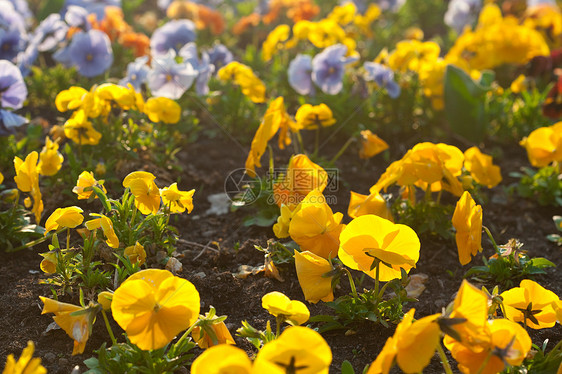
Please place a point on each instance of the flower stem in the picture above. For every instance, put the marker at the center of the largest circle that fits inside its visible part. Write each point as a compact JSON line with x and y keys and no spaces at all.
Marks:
{"x":108,"y":327}
{"x":485,"y":363}
{"x":186,"y":334}
{"x":492,"y":239}
{"x":444,"y":360}
{"x":351,"y":283}
{"x":342,"y":150}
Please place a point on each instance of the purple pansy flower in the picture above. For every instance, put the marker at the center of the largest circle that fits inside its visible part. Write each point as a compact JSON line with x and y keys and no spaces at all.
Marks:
{"x":461,"y":13}
{"x":13,"y":90}
{"x":137,"y":73}
{"x":203,"y":67}
{"x":299,"y":74}
{"x":173,"y":35}
{"x":168,"y":78}
{"x":383,"y":76}
{"x":94,"y":6}
{"x":11,"y":43}
{"x":220,"y":56}
{"x":13,"y":93}
{"x":91,"y":52}
{"x":50,"y":32}
{"x":76,"y":16}
{"x":26,"y":59}
{"x":328,"y":68}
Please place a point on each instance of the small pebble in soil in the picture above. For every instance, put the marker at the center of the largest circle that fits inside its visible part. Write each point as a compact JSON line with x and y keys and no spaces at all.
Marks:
{"x":200,"y":275}
{"x":63,"y":362}
{"x":49,"y":357}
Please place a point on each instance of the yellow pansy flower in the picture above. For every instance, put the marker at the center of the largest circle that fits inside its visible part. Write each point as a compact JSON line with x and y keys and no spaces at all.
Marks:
{"x":220,"y":359}
{"x":26,"y":172}
{"x":177,"y":201}
{"x":481,"y":167}
{"x":371,"y":144}
{"x":146,"y":192}
{"x":467,"y":221}
{"x":50,"y":159}
{"x":106,"y":225}
{"x":153,"y":306}
{"x":26,"y":364}
{"x":104,"y":299}
{"x":530,"y":303}
{"x":412,"y":346}
{"x":311,"y":270}
{"x":162,"y":109}
{"x":508,"y":343}
{"x":274,"y":41}
{"x":297,"y":350}
{"x":309,"y":117}
{"x":369,"y":238}
{"x":136,"y":253}
{"x":343,"y":14}
{"x":64,"y":217}
{"x":70,"y":99}
{"x":49,"y":262}
{"x":315,"y":228}
{"x":122,"y":96}
{"x":84,"y":183}
{"x":544,"y":145}
{"x":76,"y":321}
{"x":303,"y":176}
{"x":374,"y":203}
{"x":279,"y":305}
{"x":80,"y":130}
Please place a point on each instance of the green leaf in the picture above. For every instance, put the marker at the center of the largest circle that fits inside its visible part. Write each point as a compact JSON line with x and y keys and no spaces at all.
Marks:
{"x":347,"y":368}
{"x":464,"y":103}
{"x":49,"y":7}
{"x":541,"y":262}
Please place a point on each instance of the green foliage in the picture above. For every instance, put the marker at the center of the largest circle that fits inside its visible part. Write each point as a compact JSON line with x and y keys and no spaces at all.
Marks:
{"x":369,"y":305}
{"x":543,"y":185}
{"x":515,"y":116}
{"x":509,"y":265}
{"x":15,"y":223}
{"x":540,"y":362}
{"x":464,"y":95}
{"x":128,"y":358}
{"x":424,"y":217}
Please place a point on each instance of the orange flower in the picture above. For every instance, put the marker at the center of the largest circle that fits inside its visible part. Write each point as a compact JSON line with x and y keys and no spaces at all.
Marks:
{"x":303,"y":176}
{"x":245,"y":22}
{"x":371,"y":144}
{"x":113,"y":24}
{"x":139,"y":42}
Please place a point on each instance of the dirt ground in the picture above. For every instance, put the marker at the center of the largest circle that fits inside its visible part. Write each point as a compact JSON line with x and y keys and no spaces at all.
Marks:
{"x":205,"y":165}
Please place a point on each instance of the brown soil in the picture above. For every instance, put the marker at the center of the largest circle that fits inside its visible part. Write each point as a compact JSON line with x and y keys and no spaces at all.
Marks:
{"x":205,"y":165}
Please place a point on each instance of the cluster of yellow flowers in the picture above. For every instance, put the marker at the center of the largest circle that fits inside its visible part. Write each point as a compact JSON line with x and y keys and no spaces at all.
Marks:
{"x":431,"y":167}
{"x":98,"y":102}
{"x":276,"y":119}
{"x":242,"y":75}
{"x":497,"y":40}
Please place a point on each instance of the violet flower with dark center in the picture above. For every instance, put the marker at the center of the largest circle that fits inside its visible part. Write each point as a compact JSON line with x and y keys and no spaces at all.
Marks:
{"x":328,"y":68}
{"x":383,"y":76}
{"x":220,"y":56}
{"x":91,"y":52}
{"x":173,"y":35}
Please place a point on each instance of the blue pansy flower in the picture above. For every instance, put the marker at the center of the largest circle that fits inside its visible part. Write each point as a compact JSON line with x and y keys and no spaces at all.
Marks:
{"x":173,"y":35}
{"x":299,"y":72}
{"x":383,"y":76}
{"x":137,"y":73}
{"x":91,"y":52}
{"x":169,"y":78}
{"x":328,"y":67}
